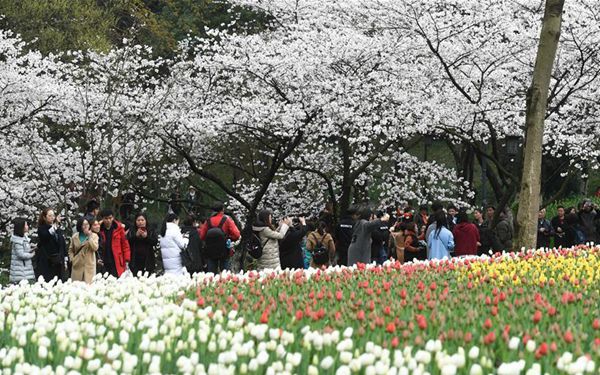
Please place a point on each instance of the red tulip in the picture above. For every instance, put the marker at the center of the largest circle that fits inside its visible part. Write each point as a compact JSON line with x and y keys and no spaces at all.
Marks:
{"x":422,"y":322}
{"x":360,"y":315}
{"x":390,"y":328}
{"x":299,"y":314}
{"x":468,"y":337}
{"x":264,"y":318}
{"x":568,"y":337}
{"x":542,"y":350}
{"x":537,"y":316}
{"x":596,"y":324}
{"x":487,"y":324}
{"x":489,"y":338}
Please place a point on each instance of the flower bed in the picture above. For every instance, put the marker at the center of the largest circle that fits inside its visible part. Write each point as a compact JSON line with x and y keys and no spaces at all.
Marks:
{"x":536,"y":312}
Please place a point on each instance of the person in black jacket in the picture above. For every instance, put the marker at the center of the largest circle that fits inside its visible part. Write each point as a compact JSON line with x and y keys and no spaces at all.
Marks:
{"x":290,"y":248}
{"x":95,"y":227}
{"x":195,"y":244}
{"x":545,"y":230}
{"x":343,"y":236}
{"x":52,"y":249}
{"x":559,"y":225}
{"x":142,"y":240}
{"x":487,"y":239}
{"x":380,"y":239}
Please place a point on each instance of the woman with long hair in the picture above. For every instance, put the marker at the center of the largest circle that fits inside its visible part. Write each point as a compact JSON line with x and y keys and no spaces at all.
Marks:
{"x":440,"y":240}
{"x":95,"y":228}
{"x":82,"y":252}
{"x":269,"y":237}
{"x":142,"y":240}
{"x":51,"y":246}
{"x":171,"y":245}
{"x":320,"y":244}
{"x":21,"y":265}
{"x":397,"y":239}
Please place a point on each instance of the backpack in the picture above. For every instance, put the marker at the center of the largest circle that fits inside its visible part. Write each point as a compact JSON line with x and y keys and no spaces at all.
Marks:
{"x":216,"y":241}
{"x":254,"y":246}
{"x":187,"y":260}
{"x":188,"y":255}
{"x":579,"y":236}
{"x":320,"y":255}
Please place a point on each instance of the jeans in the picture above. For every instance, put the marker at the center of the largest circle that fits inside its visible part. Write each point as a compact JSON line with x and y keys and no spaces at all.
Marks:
{"x":218,"y":265}
{"x":382,"y":255}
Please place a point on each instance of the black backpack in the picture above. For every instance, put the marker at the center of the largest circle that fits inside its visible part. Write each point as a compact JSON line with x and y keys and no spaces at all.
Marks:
{"x":254,"y":246}
{"x":187,"y":260}
{"x":320,"y":254}
{"x":216,"y":241}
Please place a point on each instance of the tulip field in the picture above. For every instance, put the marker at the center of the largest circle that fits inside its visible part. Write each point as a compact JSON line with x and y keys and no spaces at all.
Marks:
{"x":537,"y":312}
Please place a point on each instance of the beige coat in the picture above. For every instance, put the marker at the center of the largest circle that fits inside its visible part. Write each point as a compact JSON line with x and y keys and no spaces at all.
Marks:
{"x":270,"y":240}
{"x":397,"y":239}
{"x":83,"y":258}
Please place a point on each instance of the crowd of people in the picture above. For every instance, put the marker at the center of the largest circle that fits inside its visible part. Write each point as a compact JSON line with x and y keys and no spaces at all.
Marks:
{"x":102,"y":244}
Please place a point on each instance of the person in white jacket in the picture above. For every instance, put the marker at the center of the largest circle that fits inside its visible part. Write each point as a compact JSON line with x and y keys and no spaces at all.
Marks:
{"x":172,"y":243}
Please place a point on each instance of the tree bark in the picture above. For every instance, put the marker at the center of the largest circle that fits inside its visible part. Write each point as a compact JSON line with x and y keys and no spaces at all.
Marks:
{"x":537,"y":102}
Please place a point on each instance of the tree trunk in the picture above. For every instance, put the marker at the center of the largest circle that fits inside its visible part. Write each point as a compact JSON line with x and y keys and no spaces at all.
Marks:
{"x":537,"y":101}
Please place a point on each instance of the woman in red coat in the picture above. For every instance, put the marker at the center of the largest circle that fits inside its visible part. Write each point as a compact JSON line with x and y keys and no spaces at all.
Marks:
{"x":466,"y":236}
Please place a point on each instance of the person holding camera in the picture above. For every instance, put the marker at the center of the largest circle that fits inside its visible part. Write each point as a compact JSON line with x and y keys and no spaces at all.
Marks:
{"x":360,"y":248}
{"x":290,"y":248}
{"x":52,"y":248}
{"x":269,"y":237}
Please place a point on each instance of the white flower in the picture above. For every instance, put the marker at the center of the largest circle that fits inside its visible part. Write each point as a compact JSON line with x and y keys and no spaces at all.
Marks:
{"x":530,"y":346}
{"x":449,"y":370}
{"x":536,"y":369}
{"x":348,"y":332}
{"x":345,"y":357}
{"x":93,"y":365}
{"x":343,"y":370}
{"x":474,"y":353}
{"x":262,"y":358}
{"x":513,"y":344}
{"x":327,"y":362}
{"x":476,"y":370}
{"x":313,"y":370}
{"x":423,"y":356}
{"x":123,"y":337}
{"x":43,"y":352}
